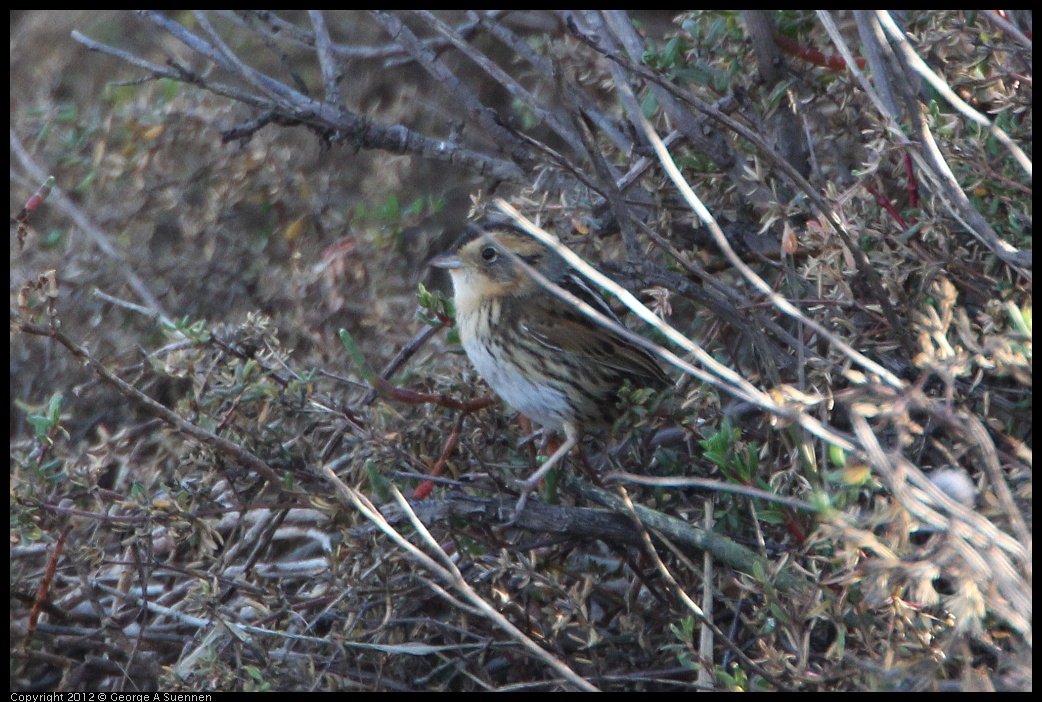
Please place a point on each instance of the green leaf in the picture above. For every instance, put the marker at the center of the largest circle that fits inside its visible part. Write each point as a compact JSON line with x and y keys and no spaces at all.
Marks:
{"x":355,"y":352}
{"x":378,"y":481}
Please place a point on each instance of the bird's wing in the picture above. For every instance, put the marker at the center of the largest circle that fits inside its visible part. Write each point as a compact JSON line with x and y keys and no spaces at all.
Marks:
{"x":569,"y":331}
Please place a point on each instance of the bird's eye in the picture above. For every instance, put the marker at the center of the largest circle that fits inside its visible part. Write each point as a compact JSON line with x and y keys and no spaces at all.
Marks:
{"x":489,"y":253}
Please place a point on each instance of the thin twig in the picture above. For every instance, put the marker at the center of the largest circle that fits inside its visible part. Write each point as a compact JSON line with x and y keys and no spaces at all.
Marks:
{"x":708,"y":484}
{"x":447,"y":571}
{"x":947,"y":93}
{"x":864,"y":266}
{"x":229,"y":448}
{"x":748,"y":273}
{"x":520,"y":47}
{"x":291,"y":106}
{"x":503,"y":78}
{"x":330,"y":66}
{"x":404,"y":354}
{"x":472,"y":106}
{"x":95,"y":234}
{"x":1008,"y":27}
{"x":686,"y":599}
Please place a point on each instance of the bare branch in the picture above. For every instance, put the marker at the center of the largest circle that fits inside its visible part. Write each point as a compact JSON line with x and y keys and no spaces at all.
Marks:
{"x":521,"y":48}
{"x":864,"y":267}
{"x":330,"y":68}
{"x":947,"y":93}
{"x":285,"y":105}
{"x":502,"y":138}
{"x":504,"y":79}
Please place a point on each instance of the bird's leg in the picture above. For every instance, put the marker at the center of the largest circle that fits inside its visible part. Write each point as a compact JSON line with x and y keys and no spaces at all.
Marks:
{"x":527,"y":486}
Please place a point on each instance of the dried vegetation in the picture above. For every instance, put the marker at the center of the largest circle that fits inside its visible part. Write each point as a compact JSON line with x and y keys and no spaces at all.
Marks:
{"x":210,"y":491}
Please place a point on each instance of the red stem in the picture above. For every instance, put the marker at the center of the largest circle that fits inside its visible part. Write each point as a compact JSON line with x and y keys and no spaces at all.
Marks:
{"x":818,"y":58}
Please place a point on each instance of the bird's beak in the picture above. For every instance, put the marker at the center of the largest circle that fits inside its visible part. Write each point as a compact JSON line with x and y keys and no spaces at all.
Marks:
{"x":448,"y":260}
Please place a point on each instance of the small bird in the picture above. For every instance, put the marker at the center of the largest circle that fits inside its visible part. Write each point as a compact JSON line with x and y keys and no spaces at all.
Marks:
{"x":541,"y":355}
